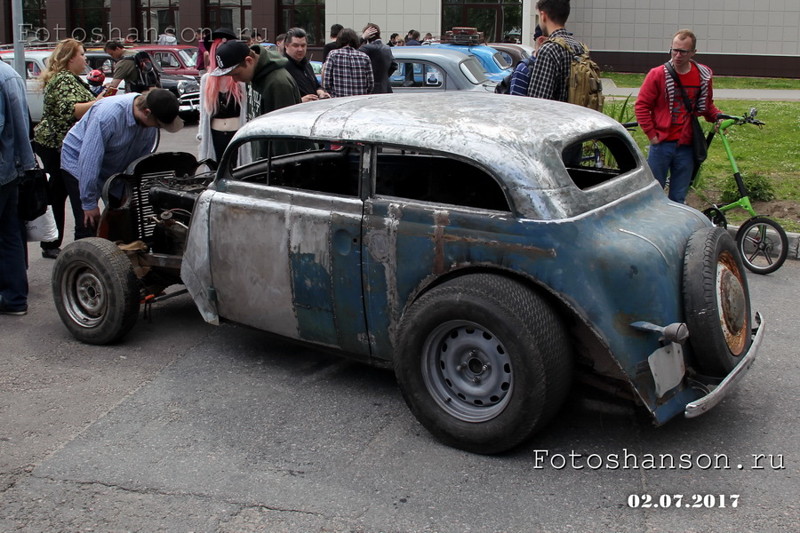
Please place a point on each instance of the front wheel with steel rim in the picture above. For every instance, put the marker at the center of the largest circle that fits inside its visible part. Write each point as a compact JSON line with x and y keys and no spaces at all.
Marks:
{"x":483,"y":362}
{"x":763,"y":244}
{"x":95,"y":290}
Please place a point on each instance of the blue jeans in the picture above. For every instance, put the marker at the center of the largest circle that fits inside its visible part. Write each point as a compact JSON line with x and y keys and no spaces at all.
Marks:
{"x":13,"y":275}
{"x":678,"y":161}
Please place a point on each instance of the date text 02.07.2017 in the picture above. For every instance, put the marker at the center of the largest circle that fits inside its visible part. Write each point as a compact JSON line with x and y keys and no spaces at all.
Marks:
{"x":681,"y":501}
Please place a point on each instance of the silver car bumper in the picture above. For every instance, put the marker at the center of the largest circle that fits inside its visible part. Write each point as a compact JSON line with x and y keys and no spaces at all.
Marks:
{"x":189,"y":102}
{"x":698,"y":407}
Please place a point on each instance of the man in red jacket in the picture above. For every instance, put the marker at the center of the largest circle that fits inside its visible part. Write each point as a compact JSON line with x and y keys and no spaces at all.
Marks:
{"x":663,"y":117}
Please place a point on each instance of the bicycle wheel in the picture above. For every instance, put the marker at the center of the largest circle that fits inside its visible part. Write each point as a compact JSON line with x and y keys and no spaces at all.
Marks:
{"x":763,"y":244}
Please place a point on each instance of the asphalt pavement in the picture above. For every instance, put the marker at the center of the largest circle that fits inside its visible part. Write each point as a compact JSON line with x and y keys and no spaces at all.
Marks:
{"x":185,"y":426}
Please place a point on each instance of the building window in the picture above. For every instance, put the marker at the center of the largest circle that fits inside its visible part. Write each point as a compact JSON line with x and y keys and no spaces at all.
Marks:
{"x":155,"y":16}
{"x":499,"y":20}
{"x":306,"y":14}
{"x":234,"y":14}
{"x":89,"y":19}
{"x":34,"y":16}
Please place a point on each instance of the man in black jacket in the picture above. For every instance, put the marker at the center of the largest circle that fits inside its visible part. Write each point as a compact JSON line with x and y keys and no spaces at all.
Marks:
{"x":380,"y":55}
{"x":296,"y":47}
{"x":335,"y":29}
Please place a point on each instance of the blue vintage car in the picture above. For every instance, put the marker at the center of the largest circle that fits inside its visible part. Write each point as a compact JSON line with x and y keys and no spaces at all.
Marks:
{"x":493,"y":62}
{"x":466,"y":242}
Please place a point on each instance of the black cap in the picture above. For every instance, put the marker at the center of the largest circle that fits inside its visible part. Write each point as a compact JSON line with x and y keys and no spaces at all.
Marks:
{"x":164,"y":106}
{"x":224,"y":33}
{"x":229,"y":55}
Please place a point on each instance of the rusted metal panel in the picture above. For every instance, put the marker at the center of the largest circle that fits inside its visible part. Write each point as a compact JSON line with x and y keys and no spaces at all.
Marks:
{"x":602,"y":250}
{"x":611,"y":266}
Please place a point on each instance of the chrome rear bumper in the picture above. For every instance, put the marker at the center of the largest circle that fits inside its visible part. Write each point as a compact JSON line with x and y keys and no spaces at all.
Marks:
{"x":700,"y":406}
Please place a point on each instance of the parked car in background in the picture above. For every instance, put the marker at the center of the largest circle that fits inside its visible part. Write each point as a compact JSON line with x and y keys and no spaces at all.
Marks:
{"x":470,"y":41}
{"x":513,"y":53}
{"x":317,"y":66}
{"x":35,"y":61}
{"x":477,"y":254}
{"x":185,"y":87}
{"x":178,"y":59}
{"x":429,"y":69}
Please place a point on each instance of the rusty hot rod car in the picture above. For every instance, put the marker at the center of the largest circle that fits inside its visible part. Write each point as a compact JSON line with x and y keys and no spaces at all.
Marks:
{"x":460,"y":240}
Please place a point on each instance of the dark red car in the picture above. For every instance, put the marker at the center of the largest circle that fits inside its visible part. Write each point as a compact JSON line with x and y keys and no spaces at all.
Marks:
{"x":173,"y":59}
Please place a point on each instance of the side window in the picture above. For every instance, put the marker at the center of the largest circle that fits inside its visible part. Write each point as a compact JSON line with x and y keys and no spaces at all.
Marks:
{"x":108,"y":67}
{"x":299,"y":164}
{"x":419,"y":74}
{"x":436,"y":178}
{"x":593,"y":161}
{"x":167,"y":60}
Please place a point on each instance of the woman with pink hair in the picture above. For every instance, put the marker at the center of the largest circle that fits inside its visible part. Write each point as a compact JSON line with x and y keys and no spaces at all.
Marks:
{"x":222,"y":105}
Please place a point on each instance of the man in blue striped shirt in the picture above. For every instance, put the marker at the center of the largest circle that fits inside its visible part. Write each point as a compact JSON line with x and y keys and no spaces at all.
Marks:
{"x":114,"y":133}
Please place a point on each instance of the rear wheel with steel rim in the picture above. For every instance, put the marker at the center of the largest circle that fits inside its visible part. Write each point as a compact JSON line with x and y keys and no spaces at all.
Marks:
{"x":467,"y":370}
{"x":483,"y":362}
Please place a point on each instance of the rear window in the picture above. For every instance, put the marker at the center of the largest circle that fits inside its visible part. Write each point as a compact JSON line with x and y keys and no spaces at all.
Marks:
{"x":501,"y":61}
{"x":596,"y":160}
{"x":473,"y":70}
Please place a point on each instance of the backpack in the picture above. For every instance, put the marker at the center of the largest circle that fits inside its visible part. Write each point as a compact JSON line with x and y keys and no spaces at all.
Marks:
{"x":585,"y":87}
{"x":518,"y":80}
{"x":148,"y":74}
{"x":504,"y":87}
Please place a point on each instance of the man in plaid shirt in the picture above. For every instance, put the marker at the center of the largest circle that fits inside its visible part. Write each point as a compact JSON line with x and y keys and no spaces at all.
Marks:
{"x":347,"y":72}
{"x":550,"y":72}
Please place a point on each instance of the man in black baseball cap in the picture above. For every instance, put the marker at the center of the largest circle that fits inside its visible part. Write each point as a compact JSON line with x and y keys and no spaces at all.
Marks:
{"x":271,"y":85}
{"x":114,"y":133}
{"x":229,"y":55}
{"x":164,"y":108}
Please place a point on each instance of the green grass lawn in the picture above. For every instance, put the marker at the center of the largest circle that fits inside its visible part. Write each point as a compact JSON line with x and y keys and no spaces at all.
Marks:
{"x":771,"y":152}
{"x":720,"y":82}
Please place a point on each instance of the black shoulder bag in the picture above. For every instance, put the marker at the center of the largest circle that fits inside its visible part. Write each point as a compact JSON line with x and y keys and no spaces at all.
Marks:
{"x":699,"y":144}
{"x":32,"y":201}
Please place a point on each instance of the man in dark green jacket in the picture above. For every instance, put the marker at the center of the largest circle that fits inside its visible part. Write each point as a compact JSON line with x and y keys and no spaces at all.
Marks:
{"x":269,"y":84}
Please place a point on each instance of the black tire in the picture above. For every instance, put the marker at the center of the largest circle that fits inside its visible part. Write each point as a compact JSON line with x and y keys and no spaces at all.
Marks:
{"x":763,"y":245}
{"x":95,"y":290}
{"x":717,"y":301}
{"x":483,"y":362}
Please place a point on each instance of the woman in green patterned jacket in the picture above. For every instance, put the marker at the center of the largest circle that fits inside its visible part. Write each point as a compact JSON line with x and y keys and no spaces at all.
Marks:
{"x":66,"y":99}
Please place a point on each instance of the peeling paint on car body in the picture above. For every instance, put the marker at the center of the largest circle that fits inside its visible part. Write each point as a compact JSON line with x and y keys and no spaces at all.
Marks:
{"x":341,"y":271}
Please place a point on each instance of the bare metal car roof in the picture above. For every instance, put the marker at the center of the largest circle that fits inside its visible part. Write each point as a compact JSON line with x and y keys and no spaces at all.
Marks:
{"x":517,"y":139}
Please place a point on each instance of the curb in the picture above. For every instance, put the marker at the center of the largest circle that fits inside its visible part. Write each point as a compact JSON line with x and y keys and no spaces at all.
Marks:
{"x":794,"y":242}
{"x":611,"y":90}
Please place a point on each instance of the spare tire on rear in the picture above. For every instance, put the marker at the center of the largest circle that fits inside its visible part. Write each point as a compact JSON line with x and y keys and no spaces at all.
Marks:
{"x":716,"y":301}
